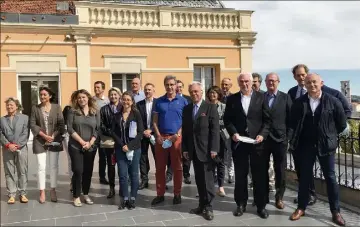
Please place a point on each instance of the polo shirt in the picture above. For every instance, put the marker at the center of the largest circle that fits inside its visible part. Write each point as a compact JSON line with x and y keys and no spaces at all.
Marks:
{"x":170,"y":113}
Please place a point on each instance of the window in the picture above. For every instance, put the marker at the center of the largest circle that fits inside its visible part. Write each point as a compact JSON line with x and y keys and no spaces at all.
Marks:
{"x":205,"y":75}
{"x":123,"y":81}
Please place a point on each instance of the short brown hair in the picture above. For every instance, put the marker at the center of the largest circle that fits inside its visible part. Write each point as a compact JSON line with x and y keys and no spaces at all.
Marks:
{"x":147,"y":84}
{"x":300,"y":66}
{"x":16,"y":101}
{"x":217,"y":90}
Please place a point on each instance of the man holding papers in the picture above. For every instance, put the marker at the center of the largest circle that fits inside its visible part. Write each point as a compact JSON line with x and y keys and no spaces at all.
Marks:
{"x":247,"y":115}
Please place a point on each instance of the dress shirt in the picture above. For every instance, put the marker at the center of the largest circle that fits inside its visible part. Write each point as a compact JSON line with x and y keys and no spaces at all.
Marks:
{"x":149,"y":104}
{"x":245,"y":102}
{"x":300,"y":91}
{"x":314,"y":103}
{"x":271,"y":98}
{"x":138,"y":96}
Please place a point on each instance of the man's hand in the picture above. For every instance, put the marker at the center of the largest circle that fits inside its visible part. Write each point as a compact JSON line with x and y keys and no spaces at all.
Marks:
{"x":173,"y":138}
{"x":235,"y":137}
{"x":213,"y":154}
{"x":125,"y":148}
{"x":159,"y":139}
{"x":259,"y":139}
{"x":186,"y":155}
{"x":147,"y":133}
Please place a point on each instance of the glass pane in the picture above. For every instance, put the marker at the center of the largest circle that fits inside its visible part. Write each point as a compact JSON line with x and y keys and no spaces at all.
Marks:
{"x":117,"y":83}
{"x":209,"y":77}
{"x":197,"y":74}
{"x":54,"y":86}
{"x":29,"y":95}
{"x":129,"y":78}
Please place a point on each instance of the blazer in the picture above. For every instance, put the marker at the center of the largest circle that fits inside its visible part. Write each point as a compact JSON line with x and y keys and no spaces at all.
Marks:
{"x":332,"y":122}
{"x":56,"y":127}
{"x":16,"y":131}
{"x":325,"y":89}
{"x":188,"y":98}
{"x":280,"y":117}
{"x":256,"y":122}
{"x":202,"y":134}
{"x":118,"y":134}
{"x":141,"y":105}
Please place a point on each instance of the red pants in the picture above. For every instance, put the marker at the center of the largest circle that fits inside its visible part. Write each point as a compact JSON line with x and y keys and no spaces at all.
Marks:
{"x":161,"y":156}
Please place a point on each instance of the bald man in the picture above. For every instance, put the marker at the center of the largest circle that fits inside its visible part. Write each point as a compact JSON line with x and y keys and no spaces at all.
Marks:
{"x":136,"y":90}
{"x":317,"y":119}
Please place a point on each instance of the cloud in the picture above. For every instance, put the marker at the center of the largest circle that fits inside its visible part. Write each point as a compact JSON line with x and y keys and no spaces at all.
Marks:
{"x":323,"y":35}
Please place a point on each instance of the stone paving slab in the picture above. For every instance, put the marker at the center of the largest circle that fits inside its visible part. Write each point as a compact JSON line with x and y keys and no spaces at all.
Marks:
{"x":105,"y":213}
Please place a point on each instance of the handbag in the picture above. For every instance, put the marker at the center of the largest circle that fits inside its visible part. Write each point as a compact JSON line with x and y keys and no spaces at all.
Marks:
{"x":106,"y":142}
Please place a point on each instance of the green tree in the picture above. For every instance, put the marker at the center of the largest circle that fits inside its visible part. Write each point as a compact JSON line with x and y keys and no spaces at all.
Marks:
{"x":352,"y":142}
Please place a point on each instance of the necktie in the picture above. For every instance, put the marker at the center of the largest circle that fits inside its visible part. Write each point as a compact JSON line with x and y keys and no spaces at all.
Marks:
{"x":195,"y":111}
{"x":303,"y":91}
{"x":270,"y":100}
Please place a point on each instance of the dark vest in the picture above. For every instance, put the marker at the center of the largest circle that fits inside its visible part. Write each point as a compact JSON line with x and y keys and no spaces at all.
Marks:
{"x":310,"y":126}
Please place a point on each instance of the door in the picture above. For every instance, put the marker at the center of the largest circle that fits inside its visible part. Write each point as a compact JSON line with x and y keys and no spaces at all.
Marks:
{"x":28,"y":91}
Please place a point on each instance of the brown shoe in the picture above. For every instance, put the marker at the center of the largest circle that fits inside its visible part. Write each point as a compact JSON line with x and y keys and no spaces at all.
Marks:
{"x":297,"y":215}
{"x":279,"y":204}
{"x":53,"y":196}
{"x":23,"y":199}
{"x":338,"y":219}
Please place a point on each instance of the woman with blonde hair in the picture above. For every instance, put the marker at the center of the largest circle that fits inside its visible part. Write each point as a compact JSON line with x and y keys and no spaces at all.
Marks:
{"x":47,"y":127}
{"x":107,"y":113}
{"x":14,"y":135}
{"x":83,"y":127}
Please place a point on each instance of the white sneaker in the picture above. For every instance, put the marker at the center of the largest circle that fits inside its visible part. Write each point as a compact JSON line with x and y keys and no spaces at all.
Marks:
{"x":88,"y":200}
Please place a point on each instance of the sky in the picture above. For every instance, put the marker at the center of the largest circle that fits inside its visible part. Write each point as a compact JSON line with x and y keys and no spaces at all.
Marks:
{"x":323,"y":35}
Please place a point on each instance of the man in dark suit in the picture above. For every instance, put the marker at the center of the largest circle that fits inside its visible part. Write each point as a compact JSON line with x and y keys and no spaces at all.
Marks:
{"x":186,"y":163}
{"x":316,"y":121}
{"x":257,"y":80}
{"x":201,"y":142}
{"x":145,"y":107}
{"x":276,"y":144}
{"x":247,"y":115}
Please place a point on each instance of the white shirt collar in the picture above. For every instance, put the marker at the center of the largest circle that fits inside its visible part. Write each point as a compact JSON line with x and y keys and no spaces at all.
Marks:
{"x":199,"y":104}
{"x":315,"y":99}
{"x":149,"y":101}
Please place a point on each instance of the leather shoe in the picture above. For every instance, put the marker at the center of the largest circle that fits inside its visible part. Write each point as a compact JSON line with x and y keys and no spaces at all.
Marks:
{"x":239,"y":211}
{"x":279,"y":204}
{"x":312,"y":200}
{"x":177,"y":199}
{"x":111,"y":193}
{"x":157,"y":200}
{"x":187,"y":180}
{"x":297,"y":215}
{"x":338,"y":219}
{"x":143,"y":185}
{"x":197,"y":210}
{"x":263,"y":213}
{"x":208,"y":215}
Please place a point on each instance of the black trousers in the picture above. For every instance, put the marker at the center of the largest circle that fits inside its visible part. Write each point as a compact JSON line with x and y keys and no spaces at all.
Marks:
{"x":82,"y":165}
{"x":258,"y":170}
{"x":111,"y":162}
{"x":144,"y":161}
{"x":204,"y":178}
{"x":297,"y":163}
{"x":220,"y":165}
{"x":278,"y":151}
{"x":186,"y":168}
{"x":102,"y":163}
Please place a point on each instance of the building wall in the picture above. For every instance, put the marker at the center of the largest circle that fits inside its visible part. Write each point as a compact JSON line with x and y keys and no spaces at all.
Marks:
{"x":159,"y":57}
{"x":34,"y":6}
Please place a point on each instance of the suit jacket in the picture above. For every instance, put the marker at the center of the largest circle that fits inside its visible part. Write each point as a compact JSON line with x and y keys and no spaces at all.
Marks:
{"x":56,"y":127}
{"x":256,"y":122}
{"x":141,"y":106}
{"x":202,"y":134}
{"x":16,"y":131}
{"x":337,"y":94}
{"x":188,"y":98}
{"x":224,"y":99}
{"x":280,"y":117}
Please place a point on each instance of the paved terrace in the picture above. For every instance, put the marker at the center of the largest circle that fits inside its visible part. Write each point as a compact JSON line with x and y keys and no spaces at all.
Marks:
{"x":105,"y":213}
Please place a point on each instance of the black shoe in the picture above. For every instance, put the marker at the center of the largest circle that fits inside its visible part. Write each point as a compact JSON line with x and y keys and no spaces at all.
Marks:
{"x":263,"y":213}
{"x":111,"y":193}
{"x":177,"y":199}
{"x":123,"y":204}
{"x":295,"y":200}
{"x":131,"y":205}
{"x":187,"y":180}
{"x":239,"y":211}
{"x":312,"y":200}
{"x":208,"y":215}
{"x":231,"y":179}
{"x":143,"y":185}
{"x":197,"y":210}
{"x":157,"y":200}
{"x":168,"y":179}
{"x":104,"y":181}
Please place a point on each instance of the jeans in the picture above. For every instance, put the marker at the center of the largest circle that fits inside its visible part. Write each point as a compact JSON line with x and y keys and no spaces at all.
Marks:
{"x":125,"y":168}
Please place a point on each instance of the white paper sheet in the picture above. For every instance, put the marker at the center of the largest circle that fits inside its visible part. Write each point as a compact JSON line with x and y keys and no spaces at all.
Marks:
{"x":132,"y":130}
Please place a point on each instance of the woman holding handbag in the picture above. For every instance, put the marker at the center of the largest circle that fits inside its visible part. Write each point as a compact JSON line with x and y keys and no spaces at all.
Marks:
{"x":83,"y":127}
{"x":107,"y":113}
{"x":47,"y":126}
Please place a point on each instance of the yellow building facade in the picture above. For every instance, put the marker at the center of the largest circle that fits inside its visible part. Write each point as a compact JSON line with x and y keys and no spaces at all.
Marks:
{"x":115,"y":42}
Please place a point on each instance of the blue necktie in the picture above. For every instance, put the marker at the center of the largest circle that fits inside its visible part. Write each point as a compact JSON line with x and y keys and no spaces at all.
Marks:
{"x":195,"y":111}
{"x":270,"y":100}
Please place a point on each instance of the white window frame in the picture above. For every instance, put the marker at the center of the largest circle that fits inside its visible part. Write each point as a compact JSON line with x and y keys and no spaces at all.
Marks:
{"x":123,"y":79}
{"x":202,"y":76}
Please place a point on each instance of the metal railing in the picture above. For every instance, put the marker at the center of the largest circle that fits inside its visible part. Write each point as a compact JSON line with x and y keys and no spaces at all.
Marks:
{"x":347,"y":166}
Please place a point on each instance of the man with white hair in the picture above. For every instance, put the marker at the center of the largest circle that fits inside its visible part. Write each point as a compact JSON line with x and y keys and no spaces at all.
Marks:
{"x":316,"y":120}
{"x":201,"y":142}
{"x":247,"y":121}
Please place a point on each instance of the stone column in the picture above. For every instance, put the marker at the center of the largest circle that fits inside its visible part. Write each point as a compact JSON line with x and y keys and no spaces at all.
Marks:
{"x":246,"y":59}
{"x":83,"y":61}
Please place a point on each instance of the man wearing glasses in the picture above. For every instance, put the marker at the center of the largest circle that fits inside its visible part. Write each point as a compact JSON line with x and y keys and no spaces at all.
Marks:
{"x":167,"y":122}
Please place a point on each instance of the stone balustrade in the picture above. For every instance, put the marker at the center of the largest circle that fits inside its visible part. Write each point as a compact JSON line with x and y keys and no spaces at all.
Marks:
{"x":141,"y":17}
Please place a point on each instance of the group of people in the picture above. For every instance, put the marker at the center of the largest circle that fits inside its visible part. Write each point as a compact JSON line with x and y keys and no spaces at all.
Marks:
{"x":238,"y":132}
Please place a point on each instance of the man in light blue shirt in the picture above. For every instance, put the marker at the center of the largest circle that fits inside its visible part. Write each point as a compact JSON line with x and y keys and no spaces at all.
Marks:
{"x":135,"y":89}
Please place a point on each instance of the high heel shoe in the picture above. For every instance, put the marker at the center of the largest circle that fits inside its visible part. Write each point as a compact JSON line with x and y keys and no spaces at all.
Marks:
{"x":53,"y":196}
{"x":111,"y":193}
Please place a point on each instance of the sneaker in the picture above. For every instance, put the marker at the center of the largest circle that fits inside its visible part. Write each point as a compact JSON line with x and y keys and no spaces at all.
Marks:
{"x":88,"y":200}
